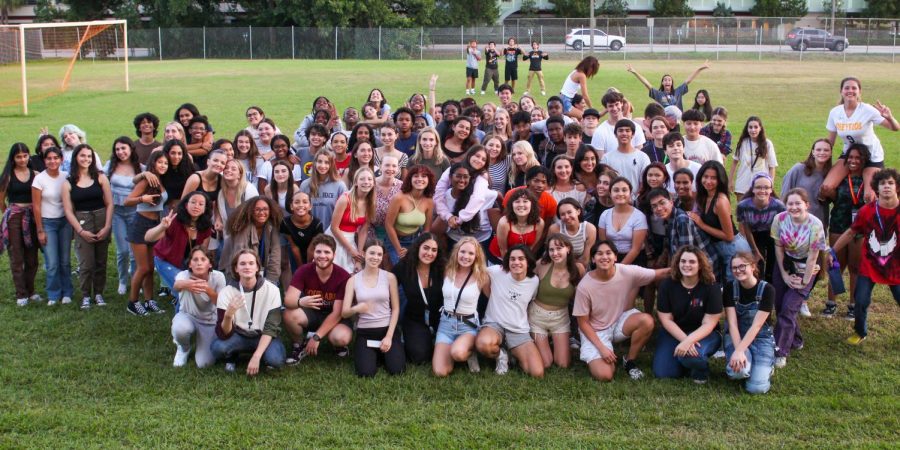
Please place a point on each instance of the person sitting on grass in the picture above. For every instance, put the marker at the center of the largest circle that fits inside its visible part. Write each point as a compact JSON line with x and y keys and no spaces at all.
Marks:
{"x":248,"y":317}
{"x":604,"y":308}
{"x":689,"y":308}
{"x":321,"y":284}
{"x":513,"y":286}
{"x":198,"y":290}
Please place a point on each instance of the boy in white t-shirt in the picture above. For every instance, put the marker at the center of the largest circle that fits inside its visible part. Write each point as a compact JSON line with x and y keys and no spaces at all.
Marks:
{"x":604,"y":138}
{"x":698,"y":148}
{"x":625,"y":159}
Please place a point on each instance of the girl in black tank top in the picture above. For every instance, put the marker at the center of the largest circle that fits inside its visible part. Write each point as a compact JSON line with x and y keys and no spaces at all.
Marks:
{"x":18,"y":220}
{"x":19,"y":191}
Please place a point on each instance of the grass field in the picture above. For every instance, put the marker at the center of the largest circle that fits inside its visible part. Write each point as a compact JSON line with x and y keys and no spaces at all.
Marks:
{"x":103,"y":378}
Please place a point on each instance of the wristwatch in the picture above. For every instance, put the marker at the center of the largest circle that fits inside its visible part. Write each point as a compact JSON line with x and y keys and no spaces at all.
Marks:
{"x":316,"y":337}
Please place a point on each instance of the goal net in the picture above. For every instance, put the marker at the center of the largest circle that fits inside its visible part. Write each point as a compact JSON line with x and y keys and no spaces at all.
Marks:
{"x":41,"y":60}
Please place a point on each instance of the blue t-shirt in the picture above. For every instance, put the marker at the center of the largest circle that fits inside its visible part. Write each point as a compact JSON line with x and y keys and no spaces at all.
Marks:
{"x":407,"y":145}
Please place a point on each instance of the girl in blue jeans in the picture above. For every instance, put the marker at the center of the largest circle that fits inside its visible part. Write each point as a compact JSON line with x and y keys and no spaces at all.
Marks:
{"x":749,"y":344}
{"x":690,"y":305}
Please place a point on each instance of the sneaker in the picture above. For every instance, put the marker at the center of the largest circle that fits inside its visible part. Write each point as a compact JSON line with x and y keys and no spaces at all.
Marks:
{"x":804,"y":310}
{"x":163,"y":292}
{"x":474,"y":367}
{"x":298,"y":352}
{"x":855,"y":339}
{"x":525,"y":93}
{"x":136,"y":308}
{"x":701,"y":380}
{"x":502,"y":363}
{"x":22,"y":302}
{"x":544,"y":93}
{"x":719,"y":354}
{"x":153,"y":307}
{"x":66,"y":300}
{"x":181,"y":356}
{"x":35,"y":299}
{"x":851,"y":313}
{"x":633,"y":370}
{"x":573,"y":343}
{"x":342,"y":352}
{"x":51,"y":302}
{"x":780,"y":362}
{"x":829,"y":311}
{"x":230,"y":367}
{"x":86,"y":303}
{"x":122,"y":289}
{"x":98,"y":299}
{"x":482,"y":92}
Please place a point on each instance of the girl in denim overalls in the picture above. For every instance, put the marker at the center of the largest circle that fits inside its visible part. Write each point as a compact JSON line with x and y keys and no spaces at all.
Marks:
{"x":749,"y":344}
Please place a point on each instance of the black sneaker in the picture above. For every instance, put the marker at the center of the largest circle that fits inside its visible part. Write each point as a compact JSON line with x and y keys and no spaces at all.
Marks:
{"x":829,"y":311}
{"x":136,"y":308}
{"x":153,"y":307}
{"x":163,"y":292}
{"x":342,"y":352}
{"x":851,"y":313}
{"x":633,"y":370}
{"x":298,"y":352}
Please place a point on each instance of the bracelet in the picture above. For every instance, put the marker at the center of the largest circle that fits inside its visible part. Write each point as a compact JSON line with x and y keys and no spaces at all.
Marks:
{"x":298,"y":302}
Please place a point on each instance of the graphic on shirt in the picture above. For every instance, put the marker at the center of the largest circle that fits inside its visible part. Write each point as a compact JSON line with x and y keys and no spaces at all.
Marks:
{"x":882,"y":251}
{"x":307,"y":168}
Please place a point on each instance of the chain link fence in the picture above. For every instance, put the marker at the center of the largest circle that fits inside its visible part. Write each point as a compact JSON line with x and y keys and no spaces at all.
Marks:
{"x":640,"y":38}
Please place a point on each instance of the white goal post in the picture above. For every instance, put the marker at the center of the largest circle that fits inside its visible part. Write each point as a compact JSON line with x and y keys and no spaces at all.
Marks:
{"x":91,"y":29}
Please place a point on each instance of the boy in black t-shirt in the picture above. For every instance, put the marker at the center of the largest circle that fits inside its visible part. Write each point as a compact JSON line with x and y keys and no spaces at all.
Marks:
{"x":511,"y":53}
{"x":534,"y":68}
{"x":490,"y":67}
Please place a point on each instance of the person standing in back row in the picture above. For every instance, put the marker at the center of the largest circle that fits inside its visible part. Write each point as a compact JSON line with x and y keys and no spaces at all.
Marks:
{"x":490,"y":67}
{"x":511,"y":70}
{"x":472,"y":58}
{"x":534,"y":66}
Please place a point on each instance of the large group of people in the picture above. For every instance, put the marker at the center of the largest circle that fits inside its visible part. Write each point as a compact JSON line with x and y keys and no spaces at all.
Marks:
{"x":460,"y":232}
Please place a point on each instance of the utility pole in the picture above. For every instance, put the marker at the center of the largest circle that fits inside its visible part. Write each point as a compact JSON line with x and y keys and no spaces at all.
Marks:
{"x":833,"y":4}
{"x":594,"y":25}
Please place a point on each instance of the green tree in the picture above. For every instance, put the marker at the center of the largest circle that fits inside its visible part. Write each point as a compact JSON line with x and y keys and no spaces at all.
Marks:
{"x":5,"y":7}
{"x":671,"y":8}
{"x":528,"y":8}
{"x":46,"y":11}
{"x":469,"y":12}
{"x":779,"y":8}
{"x":613,"y":8}
{"x":722,"y":10}
{"x":341,"y":13}
{"x":572,"y":8}
{"x":882,"y":8}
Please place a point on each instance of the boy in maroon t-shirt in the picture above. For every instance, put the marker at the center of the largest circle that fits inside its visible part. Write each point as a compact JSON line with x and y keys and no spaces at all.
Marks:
{"x":877,"y":225}
{"x":321,"y":284}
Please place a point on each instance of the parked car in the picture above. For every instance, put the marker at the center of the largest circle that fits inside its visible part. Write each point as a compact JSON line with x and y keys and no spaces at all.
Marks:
{"x":579,"y":38}
{"x":801,"y":39}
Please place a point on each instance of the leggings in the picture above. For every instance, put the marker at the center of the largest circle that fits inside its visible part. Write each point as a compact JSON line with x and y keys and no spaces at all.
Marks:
{"x":418,"y":341}
{"x":366,"y":358}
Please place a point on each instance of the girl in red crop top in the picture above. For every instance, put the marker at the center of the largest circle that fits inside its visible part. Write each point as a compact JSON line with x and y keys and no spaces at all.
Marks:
{"x":521,"y":224}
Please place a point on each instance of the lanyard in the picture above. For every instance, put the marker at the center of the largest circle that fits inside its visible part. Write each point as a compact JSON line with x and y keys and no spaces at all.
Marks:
{"x":880,"y":222}
{"x":252,"y":306}
{"x":855,"y":196}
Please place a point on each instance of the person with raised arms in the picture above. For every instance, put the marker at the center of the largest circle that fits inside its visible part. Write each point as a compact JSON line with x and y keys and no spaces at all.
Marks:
{"x":313,"y":302}
{"x":604,"y":308}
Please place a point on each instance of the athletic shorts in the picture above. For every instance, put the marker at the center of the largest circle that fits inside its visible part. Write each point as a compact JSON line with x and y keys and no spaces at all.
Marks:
{"x":471,"y":73}
{"x":510,"y":338}
{"x":315,"y":317}
{"x":547,"y":322}
{"x":511,"y":73}
{"x":608,"y":336}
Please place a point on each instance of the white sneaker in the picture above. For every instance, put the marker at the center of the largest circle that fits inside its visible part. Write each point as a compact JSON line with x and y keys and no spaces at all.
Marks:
{"x":51,"y":302}
{"x":181,"y":356}
{"x":123,"y":288}
{"x":66,"y":300}
{"x":502,"y":363}
{"x":544,"y":93}
{"x":230,"y":367}
{"x":482,"y":92}
{"x":719,"y":354}
{"x":474,"y":367}
{"x":35,"y":298}
{"x":22,"y":302}
{"x":780,"y":362}
{"x":804,"y":310}
{"x":98,"y":299}
{"x":85,"y":303}
{"x":525,"y":93}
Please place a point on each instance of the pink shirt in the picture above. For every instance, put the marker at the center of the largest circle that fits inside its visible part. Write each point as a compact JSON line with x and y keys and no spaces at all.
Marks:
{"x":605,"y":301}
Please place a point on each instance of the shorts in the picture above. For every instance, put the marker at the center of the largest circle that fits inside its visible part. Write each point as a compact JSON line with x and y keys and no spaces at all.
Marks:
{"x":608,"y":336}
{"x":546,"y":322}
{"x":471,"y":73}
{"x":510,"y":338}
{"x":315,"y":317}
{"x":879,"y":164}
{"x":511,"y":73}
{"x":566,"y":101}
{"x":452,"y":327}
{"x":137,"y":228}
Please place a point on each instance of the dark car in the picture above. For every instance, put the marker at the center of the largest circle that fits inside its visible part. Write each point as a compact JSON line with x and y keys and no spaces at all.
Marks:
{"x":801,"y":39}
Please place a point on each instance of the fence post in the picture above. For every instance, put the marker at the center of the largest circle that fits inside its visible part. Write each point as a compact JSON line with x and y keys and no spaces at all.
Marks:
{"x":204,"y":42}
{"x":669,"y":44}
{"x":421,"y":41}
{"x":868,"y":32}
{"x":335,"y":43}
{"x":845,"y":35}
{"x":624,"y":47}
{"x":737,"y":36}
{"x":650,"y":31}
{"x":250,"y":33}
{"x":462,"y":43}
{"x":379,"y":42}
{"x":292,"y":43}
{"x":695,"y":34}
{"x":759,"y":40}
{"x":717,"y":42}
{"x":893,"y":46}
{"x":159,"y":36}
{"x":780,"y":30}
{"x":542,"y":35}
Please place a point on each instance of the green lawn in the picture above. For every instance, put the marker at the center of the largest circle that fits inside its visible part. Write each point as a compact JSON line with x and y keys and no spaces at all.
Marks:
{"x":103,"y":378}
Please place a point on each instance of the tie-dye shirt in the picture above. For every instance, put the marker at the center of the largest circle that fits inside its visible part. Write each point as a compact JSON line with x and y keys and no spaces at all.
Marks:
{"x":758,"y":219}
{"x":798,"y":239}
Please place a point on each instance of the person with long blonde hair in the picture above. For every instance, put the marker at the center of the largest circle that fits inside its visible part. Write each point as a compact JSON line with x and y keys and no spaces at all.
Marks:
{"x":465,"y":278}
{"x":350,"y":221}
{"x":428,"y":152}
{"x":523,"y":158}
{"x":324,"y":187}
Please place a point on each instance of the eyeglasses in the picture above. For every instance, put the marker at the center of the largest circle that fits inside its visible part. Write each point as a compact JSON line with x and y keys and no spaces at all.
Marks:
{"x":261,"y":210}
{"x":740,"y":268}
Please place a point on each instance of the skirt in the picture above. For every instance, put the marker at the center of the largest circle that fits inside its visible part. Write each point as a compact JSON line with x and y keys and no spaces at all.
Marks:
{"x":342,"y":257}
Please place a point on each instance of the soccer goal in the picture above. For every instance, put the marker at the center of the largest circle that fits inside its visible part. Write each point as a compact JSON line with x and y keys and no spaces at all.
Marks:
{"x":39,"y":60}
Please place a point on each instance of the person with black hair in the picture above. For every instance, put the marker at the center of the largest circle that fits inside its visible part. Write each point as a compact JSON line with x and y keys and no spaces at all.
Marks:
{"x":200,"y":140}
{"x":121,"y":168}
{"x":420,"y":275}
{"x":534,"y":66}
{"x":754,"y":153}
{"x":604,"y":138}
{"x":146,"y":126}
{"x":626,"y":158}
{"x":44,"y":142}
{"x":406,"y":137}
{"x":301,"y":139}
{"x":18,"y":221}
{"x":187,"y":226}
{"x":53,"y":230}
{"x":490,"y":67}
{"x":576,"y":82}
{"x":712,"y":214}
{"x":668,"y":94}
